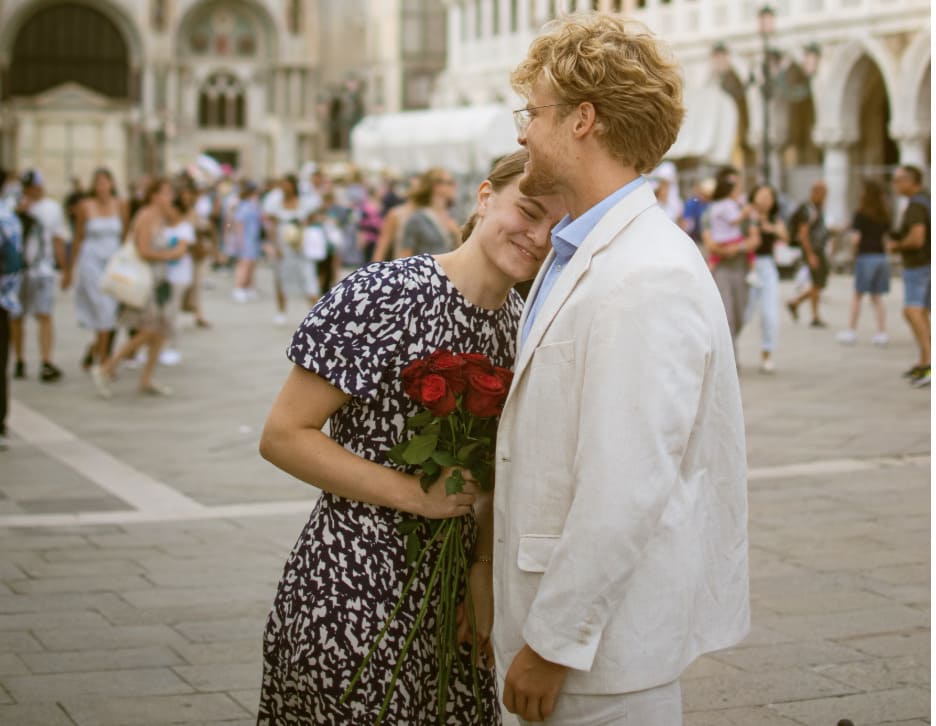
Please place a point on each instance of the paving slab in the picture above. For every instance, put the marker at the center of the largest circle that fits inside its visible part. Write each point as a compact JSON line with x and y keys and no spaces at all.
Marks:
{"x":106,"y":619}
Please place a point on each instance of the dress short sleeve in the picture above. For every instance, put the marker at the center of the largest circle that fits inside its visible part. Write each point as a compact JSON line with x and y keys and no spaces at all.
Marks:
{"x":351,"y":336}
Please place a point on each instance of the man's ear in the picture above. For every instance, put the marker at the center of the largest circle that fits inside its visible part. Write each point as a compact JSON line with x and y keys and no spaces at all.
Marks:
{"x":484,"y":194}
{"x":585,"y":119}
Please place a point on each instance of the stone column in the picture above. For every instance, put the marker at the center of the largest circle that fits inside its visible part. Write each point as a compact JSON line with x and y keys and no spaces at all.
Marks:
{"x":836,"y":172}
{"x":912,"y":146}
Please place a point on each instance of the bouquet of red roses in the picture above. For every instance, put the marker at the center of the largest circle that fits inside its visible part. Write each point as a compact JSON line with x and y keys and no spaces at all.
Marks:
{"x":462,"y":395}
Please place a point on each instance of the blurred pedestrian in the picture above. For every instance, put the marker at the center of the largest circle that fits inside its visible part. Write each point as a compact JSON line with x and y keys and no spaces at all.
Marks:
{"x":147,"y":230}
{"x":870,"y":224}
{"x":180,"y":272}
{"x":913,"y":240}
{"x":430,"y":229}
{"x":44,"y":251}
{"x":285,"y":216}
{"x":248,"y":228}
{"x":11,"y":274}
{"x":765,"y":298}
{"x":727,"y":247}
{"x":695,"y":207}
{"x":389,"y":244}
{"x":99,"y":230}
{"x":808,"y":230}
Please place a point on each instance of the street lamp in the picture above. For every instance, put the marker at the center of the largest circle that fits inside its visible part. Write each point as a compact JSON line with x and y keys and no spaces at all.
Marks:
{"x":765,"y":24}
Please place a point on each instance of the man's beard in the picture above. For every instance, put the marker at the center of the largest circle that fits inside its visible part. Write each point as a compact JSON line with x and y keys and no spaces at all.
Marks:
{"x":534,"y":184}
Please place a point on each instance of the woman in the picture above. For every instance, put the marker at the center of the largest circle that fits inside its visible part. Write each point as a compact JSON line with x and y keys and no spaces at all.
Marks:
{"x":346,"y":570}
{"x":766,"y":296}
{"x":730,"y":267}
{"x":147,"y":230}
{"x":872,"y":271}
{"x":430,"y":229}
{"x":285,"y":217}
{"x":100,"y":222}
{"x":180,"y":273}
{"x":247,"y":222}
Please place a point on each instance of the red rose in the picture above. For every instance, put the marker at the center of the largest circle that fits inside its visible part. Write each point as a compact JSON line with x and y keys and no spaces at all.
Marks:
{"x":477,"y":363}
{"x":436,"y":395}
{"x":412,"y":377}
{"x":506,"y":376}
{"x":450,"y":367}
{"x":486,"y":394}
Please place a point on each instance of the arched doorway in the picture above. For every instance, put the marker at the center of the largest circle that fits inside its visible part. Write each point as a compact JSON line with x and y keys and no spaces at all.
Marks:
{"x":70,"y":87}
{"x":69,"y":43}
{"x":866,"y":94}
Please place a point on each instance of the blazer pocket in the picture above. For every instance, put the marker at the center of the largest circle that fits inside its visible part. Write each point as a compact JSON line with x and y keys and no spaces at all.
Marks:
{"x":560,"y":352}
{"x":535,"y":551}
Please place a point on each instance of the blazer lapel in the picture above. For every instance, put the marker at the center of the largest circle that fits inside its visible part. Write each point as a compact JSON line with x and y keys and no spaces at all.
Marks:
{"x":608,"y":227}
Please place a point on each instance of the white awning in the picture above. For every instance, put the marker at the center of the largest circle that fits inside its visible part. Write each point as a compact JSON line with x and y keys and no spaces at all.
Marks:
{"x":464,"y":140}
{"x":710,"y":128}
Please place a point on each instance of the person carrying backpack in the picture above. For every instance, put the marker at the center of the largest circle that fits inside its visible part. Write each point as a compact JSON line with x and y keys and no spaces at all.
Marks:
{"x":913,"y":240}
{"x":11,"y":274}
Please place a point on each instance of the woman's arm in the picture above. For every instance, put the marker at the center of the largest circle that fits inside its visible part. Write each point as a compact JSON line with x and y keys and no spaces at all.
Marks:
{"x":293,"y":441}
{"x":81,"y":221}
{"x":387,"y":232}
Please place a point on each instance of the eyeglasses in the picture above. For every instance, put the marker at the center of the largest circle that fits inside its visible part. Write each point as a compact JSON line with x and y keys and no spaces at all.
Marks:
{"x":523,"y":117}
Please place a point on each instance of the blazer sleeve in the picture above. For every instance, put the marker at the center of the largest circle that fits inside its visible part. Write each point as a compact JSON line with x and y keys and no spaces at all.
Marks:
{"x":647,"y":350}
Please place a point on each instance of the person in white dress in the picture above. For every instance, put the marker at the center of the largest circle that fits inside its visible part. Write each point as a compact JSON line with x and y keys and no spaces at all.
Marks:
{"x":99,"y":228}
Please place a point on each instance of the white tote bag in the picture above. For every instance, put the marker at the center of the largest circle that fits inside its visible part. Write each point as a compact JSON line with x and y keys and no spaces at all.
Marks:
{"x":127,"y":277}
{"x":314,"y":243}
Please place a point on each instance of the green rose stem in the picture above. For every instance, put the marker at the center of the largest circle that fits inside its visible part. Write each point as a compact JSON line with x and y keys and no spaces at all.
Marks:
{"x":386,"y":627}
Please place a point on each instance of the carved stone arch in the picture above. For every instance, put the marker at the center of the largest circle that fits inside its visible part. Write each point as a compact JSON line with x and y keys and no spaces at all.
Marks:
{"x":123,"y":27}
{"x":270,"y":26}
{"x":912,"y":110}
{"x":837,"y":85}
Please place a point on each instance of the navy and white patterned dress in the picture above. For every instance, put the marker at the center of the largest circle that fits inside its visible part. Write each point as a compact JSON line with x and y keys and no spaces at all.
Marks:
{"x":348,"y":567}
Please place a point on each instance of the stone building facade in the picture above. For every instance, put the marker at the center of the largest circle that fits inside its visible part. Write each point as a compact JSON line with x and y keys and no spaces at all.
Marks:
{"x":147,"y":85}
{"x":850,"y":79}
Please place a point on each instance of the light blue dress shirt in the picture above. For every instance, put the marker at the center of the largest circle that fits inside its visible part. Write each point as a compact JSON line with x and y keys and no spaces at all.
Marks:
{"x":567,"y":237}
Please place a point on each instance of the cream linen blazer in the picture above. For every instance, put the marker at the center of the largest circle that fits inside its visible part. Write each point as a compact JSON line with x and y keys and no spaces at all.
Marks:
{"x":621,"y":545}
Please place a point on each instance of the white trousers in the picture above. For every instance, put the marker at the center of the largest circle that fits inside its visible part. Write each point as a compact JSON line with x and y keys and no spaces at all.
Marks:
{"x":660,"y":706}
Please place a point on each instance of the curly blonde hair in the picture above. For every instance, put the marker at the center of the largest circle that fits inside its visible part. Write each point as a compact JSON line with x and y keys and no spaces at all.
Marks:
{"x":619,"y":67}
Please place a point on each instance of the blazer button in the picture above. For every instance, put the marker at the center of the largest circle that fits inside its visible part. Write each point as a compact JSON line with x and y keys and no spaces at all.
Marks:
{"x":505,"y":459}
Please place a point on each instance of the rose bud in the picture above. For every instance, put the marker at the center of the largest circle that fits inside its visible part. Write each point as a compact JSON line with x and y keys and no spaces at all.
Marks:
{"x":437,"y":396}
{"x":486,"y":394}
{"x":449,"y":366}
{"x":412,"y":377}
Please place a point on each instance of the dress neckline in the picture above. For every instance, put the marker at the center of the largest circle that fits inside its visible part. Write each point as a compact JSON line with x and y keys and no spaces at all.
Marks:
{"x":456,"y":293}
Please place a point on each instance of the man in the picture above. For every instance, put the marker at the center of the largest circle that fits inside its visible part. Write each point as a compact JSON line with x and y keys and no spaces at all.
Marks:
{"x":808,"y":229}
{"x":11,"y":264}
{"x":621,"y":508}
{"x":913,"y":240}
{"x":43,"y":251}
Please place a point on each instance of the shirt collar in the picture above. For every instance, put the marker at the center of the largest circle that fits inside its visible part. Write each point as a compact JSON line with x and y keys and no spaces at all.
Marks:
{"x":568,"y":235}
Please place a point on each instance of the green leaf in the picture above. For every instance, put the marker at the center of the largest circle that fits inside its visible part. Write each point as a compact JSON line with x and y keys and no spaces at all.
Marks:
{"x":420,"y":448}
{"x":466,"y":451}
{"x":430,"y":467}
{"x":455,"y":483}
{"x":444,"y":458}
{"x":396,"y":453}
{"x":483,"y":473}
{"x":419,"y":420}
{"x":434,"y":428}
{"x":413,"y":546}
{"x":408,"y":526}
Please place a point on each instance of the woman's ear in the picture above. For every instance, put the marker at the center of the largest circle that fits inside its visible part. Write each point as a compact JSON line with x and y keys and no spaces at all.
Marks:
{"x":484,"y":195}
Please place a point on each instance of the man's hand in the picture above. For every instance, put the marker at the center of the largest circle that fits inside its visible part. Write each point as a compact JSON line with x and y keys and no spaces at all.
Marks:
{"x":532,"y":685}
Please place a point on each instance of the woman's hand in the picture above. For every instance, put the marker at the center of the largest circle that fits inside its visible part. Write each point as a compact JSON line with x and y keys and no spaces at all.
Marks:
{"x":481,"y":592}
{"x":436,"y":504}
